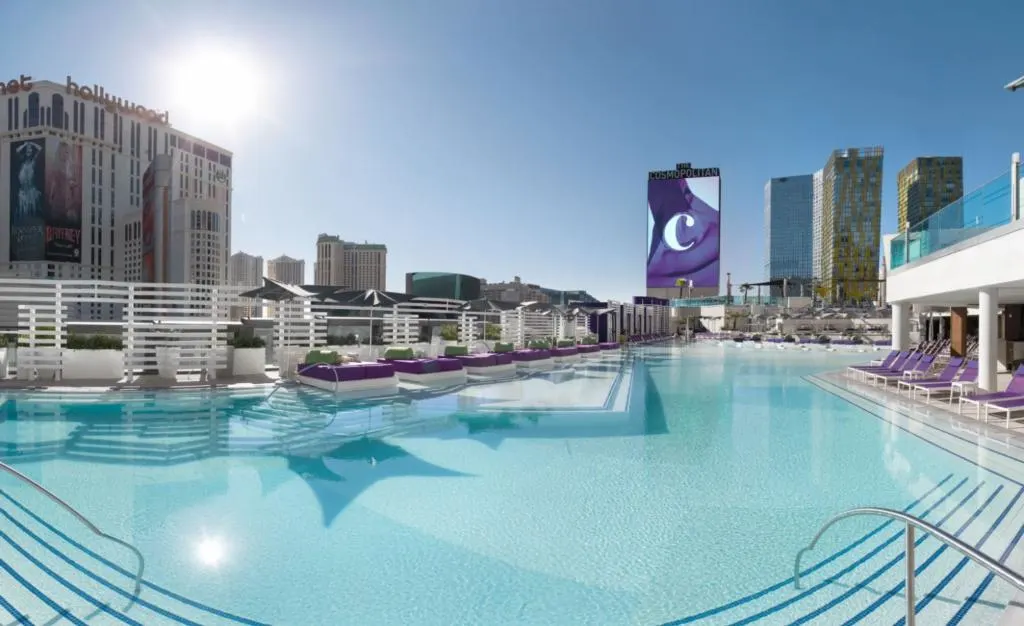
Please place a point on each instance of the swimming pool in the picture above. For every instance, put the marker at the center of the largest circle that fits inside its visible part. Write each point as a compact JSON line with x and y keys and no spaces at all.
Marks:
{"x":676,"y":487}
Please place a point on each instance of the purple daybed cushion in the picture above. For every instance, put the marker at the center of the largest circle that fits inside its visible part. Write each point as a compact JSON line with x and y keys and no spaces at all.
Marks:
{"x":342,"y":372}
{"x":530,"y":355}
{"x":477,"y":360}
{"x":564,"y":351}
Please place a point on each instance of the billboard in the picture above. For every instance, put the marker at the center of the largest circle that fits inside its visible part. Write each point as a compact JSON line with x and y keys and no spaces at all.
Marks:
{"x":46,"y":201}
{"x":28,"y":202}
{"x":683,"y":236}
{"x":63,"y":227}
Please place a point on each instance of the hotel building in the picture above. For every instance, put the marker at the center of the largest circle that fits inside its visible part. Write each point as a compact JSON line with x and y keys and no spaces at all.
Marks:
{"x":349,"y":265}
{"x":246,"y":270}
{"x":73,"y":164}
{"x":788,"y":219}
{"x":850,"y":225}
{"x":287,"y":270}
{"x":926,"y":185}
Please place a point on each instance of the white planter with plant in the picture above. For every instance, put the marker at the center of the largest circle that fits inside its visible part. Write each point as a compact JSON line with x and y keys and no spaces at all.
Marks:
{"x":92,"y":357}
{"x":46,"y":359}
{"x":168,"y":359}
{"x":92,"y":364}
{"x":247,"y":356}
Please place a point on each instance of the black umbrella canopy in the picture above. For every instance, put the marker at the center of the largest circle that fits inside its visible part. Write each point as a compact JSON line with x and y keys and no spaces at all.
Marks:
{"x":277,"y":291}
{"x":489,"y":306}
{"x":368,"y":297}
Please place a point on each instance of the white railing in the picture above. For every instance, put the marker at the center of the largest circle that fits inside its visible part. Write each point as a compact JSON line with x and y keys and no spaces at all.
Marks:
{"x":467,"y":329}
{"x":175,"y":327}
{"x":400,"y":329}
{"x":537,"y":325}
{"x":511,"y":327}
{"x":41,"y":335}
{"x":297,"y":330}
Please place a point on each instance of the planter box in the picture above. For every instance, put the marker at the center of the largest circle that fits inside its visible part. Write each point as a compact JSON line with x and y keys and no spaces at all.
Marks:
{"x":92,"y":364}
{"x":247,"y":361}
{"x":47,"y":358}
{"x":167,"y":362}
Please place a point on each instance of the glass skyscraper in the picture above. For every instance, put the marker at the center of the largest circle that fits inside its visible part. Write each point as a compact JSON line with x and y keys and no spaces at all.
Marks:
{"x":789,"y":245}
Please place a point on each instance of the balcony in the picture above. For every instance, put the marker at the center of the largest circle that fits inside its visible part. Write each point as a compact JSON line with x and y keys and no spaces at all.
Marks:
{"x":977,"y":212}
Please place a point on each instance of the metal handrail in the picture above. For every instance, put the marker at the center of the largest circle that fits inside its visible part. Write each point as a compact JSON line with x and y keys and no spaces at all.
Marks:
{"x":912,"y":523}
{"x":88,"y":524}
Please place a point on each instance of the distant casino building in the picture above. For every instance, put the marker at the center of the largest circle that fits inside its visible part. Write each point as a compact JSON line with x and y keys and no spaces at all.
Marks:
{"x":442,"y":285}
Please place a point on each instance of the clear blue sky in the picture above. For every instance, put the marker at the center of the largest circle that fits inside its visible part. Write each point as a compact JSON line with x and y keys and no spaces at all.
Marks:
{"x":503,"y":137}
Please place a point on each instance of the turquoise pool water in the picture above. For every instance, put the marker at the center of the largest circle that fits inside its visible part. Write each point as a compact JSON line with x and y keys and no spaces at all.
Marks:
{"x":675,"y":487}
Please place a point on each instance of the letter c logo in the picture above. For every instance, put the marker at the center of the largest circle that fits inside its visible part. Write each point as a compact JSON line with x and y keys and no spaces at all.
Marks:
{"x":671,"y":232}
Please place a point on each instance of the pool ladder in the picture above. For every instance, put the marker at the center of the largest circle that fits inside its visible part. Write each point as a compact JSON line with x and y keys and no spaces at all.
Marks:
{"x":913,"y":524}
{"x":5,"y":468}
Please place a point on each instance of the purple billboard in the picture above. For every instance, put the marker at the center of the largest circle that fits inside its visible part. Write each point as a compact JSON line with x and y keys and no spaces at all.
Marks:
{"x":683,"y":236}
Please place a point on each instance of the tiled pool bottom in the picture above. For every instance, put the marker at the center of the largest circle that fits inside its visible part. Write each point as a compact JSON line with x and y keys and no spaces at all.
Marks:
{"x":681,"y":485}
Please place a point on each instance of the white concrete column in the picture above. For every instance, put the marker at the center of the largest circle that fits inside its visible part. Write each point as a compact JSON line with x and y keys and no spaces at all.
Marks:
{"x":988,"y":337}
{"x":900,"y":325}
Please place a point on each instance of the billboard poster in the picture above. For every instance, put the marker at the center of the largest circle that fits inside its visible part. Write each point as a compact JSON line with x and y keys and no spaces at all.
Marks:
{"x":683,"y":236}
{"x":148,"y":231}
{"x":27,"y":200}
{"x":63,"y":224}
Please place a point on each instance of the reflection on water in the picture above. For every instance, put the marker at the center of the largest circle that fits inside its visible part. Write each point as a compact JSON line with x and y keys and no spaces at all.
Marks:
{"x":338,"y":448}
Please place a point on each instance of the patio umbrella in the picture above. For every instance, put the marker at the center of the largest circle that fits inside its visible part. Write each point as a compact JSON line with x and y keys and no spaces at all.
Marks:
{"x":368,"y":298}
{"x":277,"y":291}
{"x":484,"y":305}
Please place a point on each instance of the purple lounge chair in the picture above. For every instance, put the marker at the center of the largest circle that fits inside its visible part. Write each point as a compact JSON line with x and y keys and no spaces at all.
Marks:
{"x":967,"y":375}
{"x":896,"y":362}
{"x":1005,"y":406}
{"x":1014,"y":390}
{"x":898,"y":367}
{"x":948,"y":374}
{"x":921,"y":364}
{"x":886,"y":362}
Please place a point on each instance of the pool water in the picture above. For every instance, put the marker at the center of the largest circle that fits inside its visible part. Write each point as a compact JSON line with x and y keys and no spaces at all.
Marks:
{"x":672,"y":486}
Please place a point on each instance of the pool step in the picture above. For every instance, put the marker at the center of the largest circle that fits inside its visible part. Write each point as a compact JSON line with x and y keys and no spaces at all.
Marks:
{"x":45,"y":570}
{"x":864,"y":582}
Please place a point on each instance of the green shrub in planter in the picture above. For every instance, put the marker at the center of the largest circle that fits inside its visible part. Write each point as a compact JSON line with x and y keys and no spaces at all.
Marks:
{"x":566,"y":343}
{"x":321,"y":356}
{"x":247,"y":342}
{"x":504,"y":347}
{"x":94,"y":342}
{"x":589,"y":340}
{"x":540,"y":344}
{"x":789,"y":339}
{"x":824,"y":339}
{"x":456,"y":350}
{"x":756,"y":338}
{"x":399,"y":354}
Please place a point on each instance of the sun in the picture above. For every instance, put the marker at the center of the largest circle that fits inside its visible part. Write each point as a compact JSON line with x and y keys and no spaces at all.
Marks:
{"x":218,"y":83}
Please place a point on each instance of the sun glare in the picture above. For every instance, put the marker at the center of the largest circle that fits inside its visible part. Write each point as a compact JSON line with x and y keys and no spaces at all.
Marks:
{"x":210,"y":551}
{"x":218,"y":84}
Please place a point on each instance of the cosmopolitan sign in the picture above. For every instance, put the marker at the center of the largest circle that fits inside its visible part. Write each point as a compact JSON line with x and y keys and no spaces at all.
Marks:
{"x":99,"y":95}
{"x":688,"y":172}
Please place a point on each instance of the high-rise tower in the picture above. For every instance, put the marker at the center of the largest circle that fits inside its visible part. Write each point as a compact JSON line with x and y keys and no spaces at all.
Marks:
{"x":851,"y":219}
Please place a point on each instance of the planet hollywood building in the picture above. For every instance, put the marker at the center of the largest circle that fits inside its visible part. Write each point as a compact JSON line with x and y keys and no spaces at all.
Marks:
{"x":73,"y":159}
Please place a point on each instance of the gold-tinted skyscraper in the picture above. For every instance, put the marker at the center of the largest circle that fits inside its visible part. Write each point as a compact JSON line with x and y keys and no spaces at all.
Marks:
{"x":926,"y":185}
{"x":851,"y":222}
